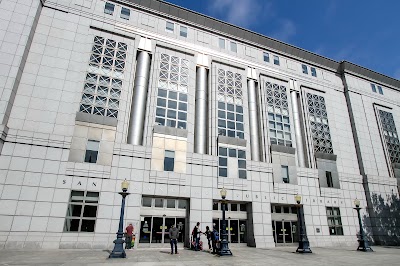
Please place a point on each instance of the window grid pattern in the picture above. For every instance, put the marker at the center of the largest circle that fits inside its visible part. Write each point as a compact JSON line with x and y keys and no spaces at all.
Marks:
{"x":172,"y":92}
{"x":334,"y":221}
{"x":278,"y":115}
{"x":390,"y":135}
{"x":230,"y":100}
{"x":224,"y":153}
{"x":319,"y":123}
{"x":82,"y":211}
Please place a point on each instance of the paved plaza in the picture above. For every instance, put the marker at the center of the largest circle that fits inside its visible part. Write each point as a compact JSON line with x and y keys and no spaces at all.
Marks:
{"x":242,"y":256}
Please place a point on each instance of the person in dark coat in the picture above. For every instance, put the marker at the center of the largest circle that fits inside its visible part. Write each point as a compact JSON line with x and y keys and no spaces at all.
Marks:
{"x":173,"y":236}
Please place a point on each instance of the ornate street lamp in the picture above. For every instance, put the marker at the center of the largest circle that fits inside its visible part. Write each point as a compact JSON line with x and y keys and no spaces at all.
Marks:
{"x":363,"y":244}
{"x":118,"y":251}
{"x":304,"y":245}
{"x":224,"y":248}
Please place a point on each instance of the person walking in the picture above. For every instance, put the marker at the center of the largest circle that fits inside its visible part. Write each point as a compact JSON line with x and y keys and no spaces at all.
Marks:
{"x":173,"y":236}
{"x":208,"y":233}
{"x":128,"y":236}
{"x":196,"y":236}
{"x":214,"y":240}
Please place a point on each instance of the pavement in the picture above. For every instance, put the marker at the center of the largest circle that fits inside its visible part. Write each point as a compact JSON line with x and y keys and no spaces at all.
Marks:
{"x":241,"y":256}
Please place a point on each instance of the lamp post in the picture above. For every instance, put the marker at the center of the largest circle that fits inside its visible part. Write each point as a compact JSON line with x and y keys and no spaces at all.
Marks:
{"x":304,"y":245}
{"x":224,"y":248}
{"x":363,"y":244}
{"x":118,"y":251}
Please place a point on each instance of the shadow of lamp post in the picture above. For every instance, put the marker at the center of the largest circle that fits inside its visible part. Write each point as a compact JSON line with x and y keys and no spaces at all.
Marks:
{"x":363,"y":244}
{"x":304,"y":245}
{"x":224,"y":248}
{"x":118,"y":251}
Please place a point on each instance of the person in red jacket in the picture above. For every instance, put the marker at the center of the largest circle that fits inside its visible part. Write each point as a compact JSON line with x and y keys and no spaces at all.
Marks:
{"x":129,"y":234}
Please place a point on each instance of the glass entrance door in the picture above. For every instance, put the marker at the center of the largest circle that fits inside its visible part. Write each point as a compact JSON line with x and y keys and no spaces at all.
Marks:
{"x":236,"y":230}
{"x":285,"y":232}
{"x":154,"y":230}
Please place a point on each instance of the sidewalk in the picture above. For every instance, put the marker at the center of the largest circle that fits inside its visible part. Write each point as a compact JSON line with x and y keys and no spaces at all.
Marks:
{"x":241,"y":256}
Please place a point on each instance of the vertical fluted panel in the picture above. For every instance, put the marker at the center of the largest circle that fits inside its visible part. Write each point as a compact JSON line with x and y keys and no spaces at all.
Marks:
{"x":297,"y":129}
{"x":201,"y":122}
{"x":254,"y":121}
{"x":139,"y":99}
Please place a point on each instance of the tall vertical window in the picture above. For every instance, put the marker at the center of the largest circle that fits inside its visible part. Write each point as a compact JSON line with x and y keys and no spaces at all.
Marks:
{"x":285,"y":173}
{"x":225,"y":153}
{"x":266,"y":57}
{"x":373,"y":87}
{"x":380,"y":90}
{"x":169,"y":26}
{"x":304,"y":68}
{"x":313,"y":72}
{"x":276,"y":60}
{"x":183,"y":31}
{"x":319,"y":123}
{"x":82,"y":211}
{"x":169,"y":161}
{"x":109,"y":8}
{"x":172,"y":92}
{"x":278,"y":114}
{"x":230,"y":101}
{"x":390,"y":135}
{"x":103,"y":83}
{"x":329,"y":180}
{"x":234,"y":47}
{"x":125,"y":13}
{"x":92,"y":151}
{"x":334,"y":221}
{"x":221,"y":43}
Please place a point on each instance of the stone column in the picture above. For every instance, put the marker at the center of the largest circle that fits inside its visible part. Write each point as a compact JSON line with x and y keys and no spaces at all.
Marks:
{"x":253,"y":117}
{"x":201,"y":121}
{"x":139,"y":98}
{"x":297,"y":126}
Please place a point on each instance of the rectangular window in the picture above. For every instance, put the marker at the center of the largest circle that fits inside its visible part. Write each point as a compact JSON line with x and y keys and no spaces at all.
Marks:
{"x":92,"y":151}
{"x":109,"y":8}
{"x":285,"y":173}
{"x":373,"y":87}
{"x":183,"y":31}
{"x":170,"y":203}
{"x":380,"y":90}
{"x":221,"y":43}
{"x":234,"y":207}
{"x":266,"y":57}
{"x":82,"y":211}
{"x":169,"y":161}
{"x":146,"y":202}
{"x":313,"y":72}
{"x":169,"y":26}
{"x":159,"y":203}
{"x":390,"y":136}
{"x":305,"y":69}
{"x":224,"y":153}
{"x":243,"y":207}
{"x":329,"y":180}
{"x":276,"y":60}
{"x":125,"y":13}
{"x":182,"y":204}
{"x":334,"y":221}
{"x":215,"y":206}
{"x":234,"y":47}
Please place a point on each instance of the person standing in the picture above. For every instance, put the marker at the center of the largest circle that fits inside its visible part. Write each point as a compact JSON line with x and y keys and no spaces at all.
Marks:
{"x":208,"y":234}
{"x":128,"y":237}
{"x":196,"y":236}
{"x":214,"y":239}
{"x":173,"y":236}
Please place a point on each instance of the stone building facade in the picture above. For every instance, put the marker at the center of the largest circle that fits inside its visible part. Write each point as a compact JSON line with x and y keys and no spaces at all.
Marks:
{"x":181,"y":105}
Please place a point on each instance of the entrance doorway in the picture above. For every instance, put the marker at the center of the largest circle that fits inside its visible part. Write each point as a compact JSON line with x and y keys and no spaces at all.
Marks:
{"x":154,"y":230}
{"x":284,"y":224}
{"x":236,"y":229}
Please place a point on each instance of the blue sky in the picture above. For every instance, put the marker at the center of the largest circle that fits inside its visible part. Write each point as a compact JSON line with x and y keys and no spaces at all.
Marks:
{"x":364,"y":32}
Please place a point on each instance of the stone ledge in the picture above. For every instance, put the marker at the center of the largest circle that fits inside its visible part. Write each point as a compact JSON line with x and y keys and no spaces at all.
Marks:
{"x":283,"y":149}
{"x":326,"y":156}
{"x":232,"y":141}
{"x":172,"y":131}
{"x":96,"y":119}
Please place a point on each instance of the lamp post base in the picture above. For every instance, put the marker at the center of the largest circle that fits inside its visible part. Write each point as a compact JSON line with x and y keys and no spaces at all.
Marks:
{"x":225,"y":251}
{"x":304,"y":247}
{"x":118,"y":251}
{"x":364,"y":246}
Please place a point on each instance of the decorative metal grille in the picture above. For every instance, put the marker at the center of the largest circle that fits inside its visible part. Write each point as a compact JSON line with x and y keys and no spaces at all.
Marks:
{"x":278,"y":115}
{"x":390,"y":135}
{"x":103,"y":83}
{"x":230,"y":87}
{"x":230,"y":100}
{"x":319,"y":123}
{"x":172,"y":92}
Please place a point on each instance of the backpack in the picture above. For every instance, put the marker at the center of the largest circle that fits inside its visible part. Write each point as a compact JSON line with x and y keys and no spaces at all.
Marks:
{"x":215,"y":235}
